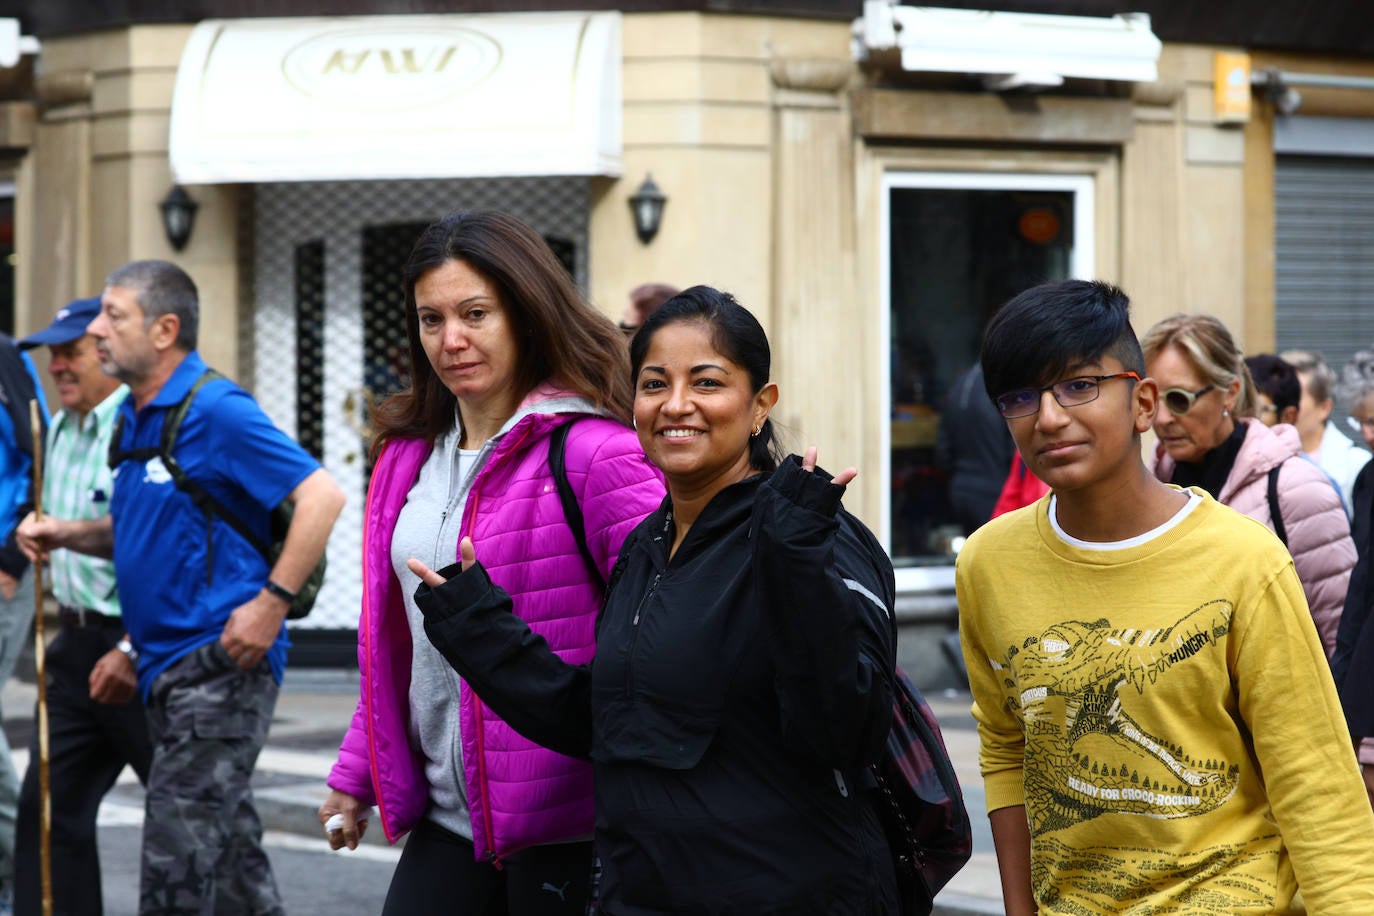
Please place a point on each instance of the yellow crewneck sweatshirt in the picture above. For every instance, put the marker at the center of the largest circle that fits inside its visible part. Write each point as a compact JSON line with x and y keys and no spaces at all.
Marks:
{"x":1164,"y":710}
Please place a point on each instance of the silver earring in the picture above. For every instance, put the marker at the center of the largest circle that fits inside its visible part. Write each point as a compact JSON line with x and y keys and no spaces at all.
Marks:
{"x":755,"y":433}
{"x":1225,"y":412}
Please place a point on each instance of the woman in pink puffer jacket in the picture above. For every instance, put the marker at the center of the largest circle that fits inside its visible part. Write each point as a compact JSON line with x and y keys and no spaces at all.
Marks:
{"x":504,"y":355}
{"x":1209,"y":438}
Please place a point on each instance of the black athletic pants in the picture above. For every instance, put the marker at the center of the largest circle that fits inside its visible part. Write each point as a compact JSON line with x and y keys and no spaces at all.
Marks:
{"x":438,"y":875}
{"x":88,"y":745}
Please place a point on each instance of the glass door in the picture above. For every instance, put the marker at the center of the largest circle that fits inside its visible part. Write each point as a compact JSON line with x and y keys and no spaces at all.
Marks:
{"x":958,"y":246}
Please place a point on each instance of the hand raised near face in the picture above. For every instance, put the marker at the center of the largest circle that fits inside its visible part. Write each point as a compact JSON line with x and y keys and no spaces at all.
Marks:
{"x":809,"y":464}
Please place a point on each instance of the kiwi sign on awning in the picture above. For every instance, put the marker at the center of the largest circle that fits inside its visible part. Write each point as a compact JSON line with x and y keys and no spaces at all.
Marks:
{"x":379,"y":97}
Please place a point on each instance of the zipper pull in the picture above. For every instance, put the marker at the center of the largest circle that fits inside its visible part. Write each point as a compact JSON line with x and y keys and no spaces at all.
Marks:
{"x":840,"y":783}
{"x":647,"y":595}
{"x":439,"y":562}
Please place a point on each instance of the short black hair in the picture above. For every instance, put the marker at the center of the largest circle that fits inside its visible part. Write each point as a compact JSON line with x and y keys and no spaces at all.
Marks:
{"x":1037,"y":336}
{"x":1276,"y":377}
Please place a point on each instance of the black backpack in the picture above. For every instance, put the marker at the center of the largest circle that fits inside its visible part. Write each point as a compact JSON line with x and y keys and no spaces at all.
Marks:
{"x":210,"y":506}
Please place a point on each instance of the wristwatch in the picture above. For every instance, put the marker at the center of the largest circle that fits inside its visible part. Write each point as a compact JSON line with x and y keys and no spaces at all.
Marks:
{"x":128,"y":649}
{"x":280,"y":591}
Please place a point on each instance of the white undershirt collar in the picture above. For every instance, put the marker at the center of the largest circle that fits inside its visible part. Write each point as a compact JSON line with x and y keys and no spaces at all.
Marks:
{"x":1194,"y":500}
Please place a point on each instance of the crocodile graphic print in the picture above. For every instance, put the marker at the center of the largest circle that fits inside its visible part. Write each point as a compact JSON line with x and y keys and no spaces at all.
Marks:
{"x":1073,"y":687}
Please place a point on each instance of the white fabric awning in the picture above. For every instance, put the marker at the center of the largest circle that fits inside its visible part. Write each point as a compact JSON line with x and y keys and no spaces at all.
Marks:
{"x":1025,"y":49}
{"x":374,"y":97}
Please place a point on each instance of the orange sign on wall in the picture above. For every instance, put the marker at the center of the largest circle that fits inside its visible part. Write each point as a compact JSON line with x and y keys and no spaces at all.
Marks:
{"x":1231,"y":87}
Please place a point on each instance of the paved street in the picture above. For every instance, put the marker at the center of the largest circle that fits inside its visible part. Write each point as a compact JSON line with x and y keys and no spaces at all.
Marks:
{"x":313,"y":711}
{"x":311,"y":879}
{"x":311,"y":716}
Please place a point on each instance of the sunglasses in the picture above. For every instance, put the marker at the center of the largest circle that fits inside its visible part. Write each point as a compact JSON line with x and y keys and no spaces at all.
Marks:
{"x":1180,"y":400}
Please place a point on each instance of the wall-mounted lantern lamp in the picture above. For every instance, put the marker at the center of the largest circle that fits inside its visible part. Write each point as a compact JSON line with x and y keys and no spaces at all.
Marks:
{"x":647,"y":206}
{"x":178,"y":216}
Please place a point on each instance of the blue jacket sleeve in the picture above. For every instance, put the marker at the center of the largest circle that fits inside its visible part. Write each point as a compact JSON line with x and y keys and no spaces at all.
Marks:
{"x":19,"y":379}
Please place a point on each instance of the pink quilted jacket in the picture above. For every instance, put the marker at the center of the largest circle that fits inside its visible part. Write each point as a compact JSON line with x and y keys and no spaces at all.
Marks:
{"x":514,"y":516}
{"x":1318,"y":530}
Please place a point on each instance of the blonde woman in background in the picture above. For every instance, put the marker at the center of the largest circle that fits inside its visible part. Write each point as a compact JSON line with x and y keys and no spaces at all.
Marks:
{"x":1209,"y":438}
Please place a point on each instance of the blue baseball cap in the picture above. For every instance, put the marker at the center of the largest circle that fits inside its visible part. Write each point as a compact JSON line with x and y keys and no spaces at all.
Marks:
{"x":68,"y":325}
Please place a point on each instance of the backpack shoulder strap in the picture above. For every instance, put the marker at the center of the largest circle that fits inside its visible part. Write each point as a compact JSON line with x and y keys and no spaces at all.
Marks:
{"x":171,"y":425}
{"x":114,"y":455}
{"x":172,"y":420}
{"x":558,"y":443}
{"x":201,"y":496}
{"x":1275,"y":513}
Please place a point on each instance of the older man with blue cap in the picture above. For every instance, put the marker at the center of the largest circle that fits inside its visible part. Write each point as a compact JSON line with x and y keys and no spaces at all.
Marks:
{"x":96,"y":722}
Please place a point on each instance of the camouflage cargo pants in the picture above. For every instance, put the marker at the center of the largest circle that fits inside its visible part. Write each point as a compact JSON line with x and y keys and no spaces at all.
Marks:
{"x":202,"y":851}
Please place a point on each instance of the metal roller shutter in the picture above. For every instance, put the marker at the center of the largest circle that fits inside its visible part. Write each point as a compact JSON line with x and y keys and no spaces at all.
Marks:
{"x":1324,"y":253}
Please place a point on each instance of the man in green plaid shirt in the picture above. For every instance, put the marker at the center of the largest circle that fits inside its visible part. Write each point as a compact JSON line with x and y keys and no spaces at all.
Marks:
{"x":96,"y":722}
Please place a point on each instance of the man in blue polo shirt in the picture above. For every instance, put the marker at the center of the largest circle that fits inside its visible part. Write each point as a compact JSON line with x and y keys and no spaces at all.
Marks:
{"x":201,"y":606}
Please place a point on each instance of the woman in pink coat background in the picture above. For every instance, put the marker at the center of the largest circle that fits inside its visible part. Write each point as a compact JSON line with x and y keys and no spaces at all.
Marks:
{"x":1209,"y":437}
{"x":503,"y":352}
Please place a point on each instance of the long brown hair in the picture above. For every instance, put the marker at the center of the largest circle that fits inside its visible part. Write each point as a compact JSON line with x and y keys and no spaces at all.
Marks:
{"x":560,"y":336}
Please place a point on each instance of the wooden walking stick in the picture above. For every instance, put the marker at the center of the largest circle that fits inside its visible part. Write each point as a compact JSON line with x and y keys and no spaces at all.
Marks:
{"x":40,"y":665}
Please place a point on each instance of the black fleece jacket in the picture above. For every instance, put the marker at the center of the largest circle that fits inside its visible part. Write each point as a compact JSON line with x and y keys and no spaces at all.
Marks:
{"x":738,"y":691}
{"x":1353,"y":663}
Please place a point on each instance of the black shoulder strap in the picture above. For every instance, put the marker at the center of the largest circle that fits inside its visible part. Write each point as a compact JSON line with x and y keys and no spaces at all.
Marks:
{"x":171,"y":425}
{"x":558,"y":443}
{"x":1275,"y":514}
{"x":166,"y":450}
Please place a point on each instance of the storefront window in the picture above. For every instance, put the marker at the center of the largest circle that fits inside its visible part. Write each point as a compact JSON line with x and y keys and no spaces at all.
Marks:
{"x":959,"y":246}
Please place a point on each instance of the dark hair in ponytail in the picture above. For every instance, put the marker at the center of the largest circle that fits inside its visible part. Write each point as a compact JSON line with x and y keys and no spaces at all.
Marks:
{"x":736,"y":334}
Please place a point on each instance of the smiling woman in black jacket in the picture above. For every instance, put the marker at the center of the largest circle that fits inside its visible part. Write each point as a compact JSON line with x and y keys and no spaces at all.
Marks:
{"x":745,"y":653}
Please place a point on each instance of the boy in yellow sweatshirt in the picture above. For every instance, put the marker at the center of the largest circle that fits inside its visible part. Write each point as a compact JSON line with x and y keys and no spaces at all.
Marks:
{"x":1159,"y":728}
